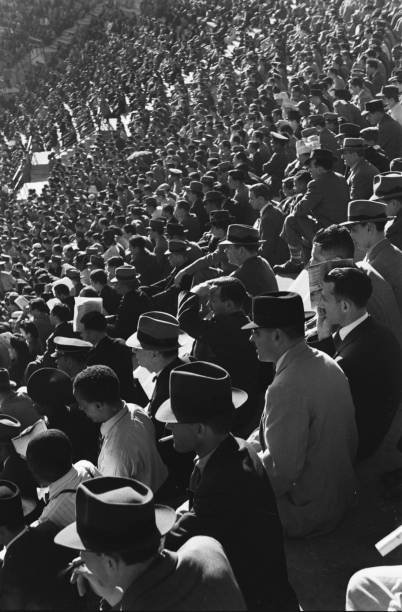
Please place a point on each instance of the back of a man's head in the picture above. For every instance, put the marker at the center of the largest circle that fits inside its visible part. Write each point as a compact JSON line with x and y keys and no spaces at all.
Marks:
{"x":61,"y":312}
{"x":94,"y":321}
{"x":98,"y":383}
{"x":351,"y":284}
{"x":334,"y":241}
{"x":98,"y":276}
{"x":49,"y":456}
{"x":231,"y":289}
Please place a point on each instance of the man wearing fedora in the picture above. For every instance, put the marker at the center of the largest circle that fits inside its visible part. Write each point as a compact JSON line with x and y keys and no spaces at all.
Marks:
{"x":389,"y":130}
{"x":324,"y":203}
{"x":269,"y":224}
{"x":335,"y":243}
{"x":367,"y":352}
{"x":308,"y":409}
{"x":366,"y":222}
{"x":31,"y":562}
{"x":14,"y":402}
{"x":360,"y":172}
{"x":231,"y":498}
{"x":241,"y":245}
{"x":219,"y":338}
{"x":163,"y":294}
{"x":119,"y":533}
{"x":388,"y":189}
{"x":133,"y":303}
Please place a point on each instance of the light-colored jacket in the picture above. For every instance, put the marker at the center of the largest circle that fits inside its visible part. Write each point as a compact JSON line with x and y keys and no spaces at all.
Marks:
{"x":308,"y":441}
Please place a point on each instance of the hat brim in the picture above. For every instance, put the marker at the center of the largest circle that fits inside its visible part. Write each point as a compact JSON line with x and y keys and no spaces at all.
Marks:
{"x":384,"y":198}
{"x":165,"y":414}
{"x":373,"y":220}
{"x":68,"y":537}
{"x":134,"y":343}
{"x":229,"y":242}
{"x":308,"y":315}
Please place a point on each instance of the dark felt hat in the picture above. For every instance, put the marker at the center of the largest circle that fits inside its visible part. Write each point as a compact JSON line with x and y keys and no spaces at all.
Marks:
{"x":387,"y":185}
{"x":199,"y":391}
{"x":278,"y":309}
{"x":9,"y":427}
{"x":375,"y":106}
{"x":177,"y":246}
{"x":126,"y":274}
{"x":176,"y":229}
{"x":50,"y":386}
{"x":13,"y":508}
{"x":361,"y":211}
{"x":241,"y":235}
{"x":348,"y":130}
{"x":156,"y":331}
{"x":114,"y":515}
{"x":351,"y":145}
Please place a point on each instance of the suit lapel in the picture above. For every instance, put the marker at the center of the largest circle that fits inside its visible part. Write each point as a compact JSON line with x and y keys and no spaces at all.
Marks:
{"x":352,"y":337}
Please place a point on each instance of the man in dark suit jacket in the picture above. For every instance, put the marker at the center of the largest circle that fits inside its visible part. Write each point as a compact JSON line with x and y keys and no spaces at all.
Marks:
{"x":110,"y":298}
{"x":111,"y":352}
{"x":134,"y":302}
{"x":145,"y":262}
{"x":367,"y":351}
{"x":389,"y":130}
{"x":221,"y":340}
{"x":29,"y":573}
{"x":324,"y":203}
{"x":269,"y":224}
{"x":231,"y":496}
{"x":361,"y":172}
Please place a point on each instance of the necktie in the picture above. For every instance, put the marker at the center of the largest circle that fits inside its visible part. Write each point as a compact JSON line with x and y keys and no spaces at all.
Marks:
{"x":195,"y":479}
{"x":100,"y":442}
{"x":337,"y":341}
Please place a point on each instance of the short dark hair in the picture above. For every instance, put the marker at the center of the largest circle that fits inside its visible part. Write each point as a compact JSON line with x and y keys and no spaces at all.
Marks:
{"x":138,"y":241}
{"x":62,"y":312}
{"x":326,"y":163}
{"x":231,"y":289}
{"x":351,"y":284}
{"x":40,"y":305}
{"x":336,"y":238}
{"x":98,"y":276}
{"x":260,"y":190}
{"x":98,"y":383}
{"x":94,"y":320}
{"x":49,"y":455}
{"x":30,"y":328}
{"x":61,"y":289}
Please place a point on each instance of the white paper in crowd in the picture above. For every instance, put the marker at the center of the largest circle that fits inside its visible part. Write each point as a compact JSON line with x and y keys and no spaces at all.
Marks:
{"x":390,"y":542}
{"x":146,"y":380}
{"x":82,"y":305}
{"x":21,"y":302}
{"x":301,"y":286}
{"x":21,"y":442}
{"x":52,"y":302}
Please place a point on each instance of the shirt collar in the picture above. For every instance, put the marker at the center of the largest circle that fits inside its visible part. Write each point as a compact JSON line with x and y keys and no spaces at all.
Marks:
{"x":108,"y":425}
{"x":344,"y":331}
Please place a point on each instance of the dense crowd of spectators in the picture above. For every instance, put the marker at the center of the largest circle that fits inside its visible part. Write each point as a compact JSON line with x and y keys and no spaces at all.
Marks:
{"x":199,"y":154}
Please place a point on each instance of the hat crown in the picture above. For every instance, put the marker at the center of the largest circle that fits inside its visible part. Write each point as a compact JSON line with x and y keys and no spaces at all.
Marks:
{"x":242,"y":234}
{"x":364,"y":210}
{"x":10,"y":503}
{"x":158,"y":325}
{"x":278,"y":309}
{"x":388,"y":185}
{"x":116,"y":514}
{"x":199,"y":390}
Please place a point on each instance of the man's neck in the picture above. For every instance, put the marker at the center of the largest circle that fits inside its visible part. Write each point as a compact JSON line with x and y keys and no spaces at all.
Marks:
{"x":210,"y":445}
{"x":379,"y":238}
{"x":353,"y":316}
{"x":287,"y":348}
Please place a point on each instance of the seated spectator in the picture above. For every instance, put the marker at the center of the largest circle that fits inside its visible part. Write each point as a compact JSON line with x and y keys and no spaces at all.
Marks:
{"x":361,"y":172}
{"x":388,"y":189}
{"x":128,"y":437}
{"x":309,"y":408}
{"x":29,"y":331}
{"x":219,"y":338}
{"x":367,"y":352}
{"x":188,"y":219}
{"x":15,"y":402}
{"x":241,"y":247}
{"x":134,"y":302}
{"x":71,"y":354}
{"x":111,"y":352}
{"x":324,"y":203}
{"x":335,"y":242}
{"x":49,"y":458}
{"x":118,"y":518}
{"x":110,"y":297}
{"x":144,"y":261}
{"x":29,"y":576}
{"x":269,"y":224}
{"x":13,"y":466}
{"x":228,"y":479}
{"x":51,"y":391}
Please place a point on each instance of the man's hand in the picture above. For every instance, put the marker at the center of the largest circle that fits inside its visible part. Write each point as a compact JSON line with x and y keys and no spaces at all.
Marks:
{"x":323,"y":327}
{"x":82,"y":577}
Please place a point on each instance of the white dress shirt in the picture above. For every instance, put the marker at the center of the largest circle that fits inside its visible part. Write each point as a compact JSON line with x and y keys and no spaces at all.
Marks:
{"x":60,"y":509}
{"x":129,"y":448}
{"x":344,"y":331}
